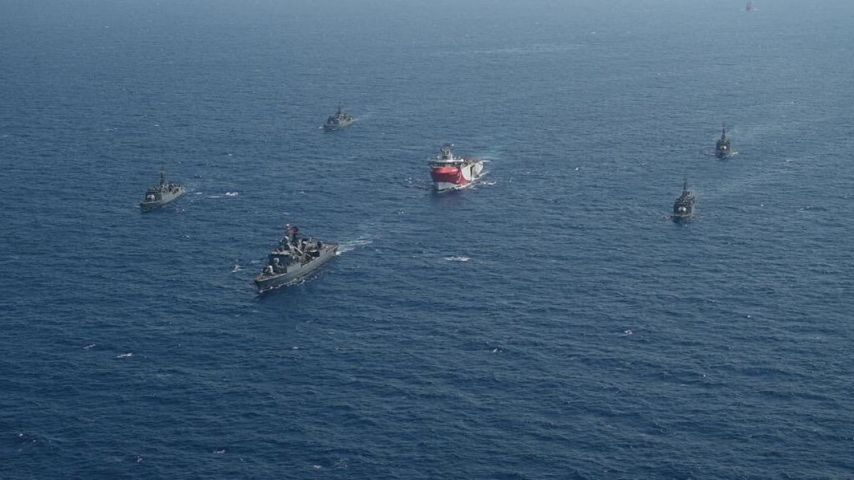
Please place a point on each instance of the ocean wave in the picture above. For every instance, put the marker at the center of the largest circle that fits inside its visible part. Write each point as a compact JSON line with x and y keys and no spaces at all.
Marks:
{"x":348,"y":246}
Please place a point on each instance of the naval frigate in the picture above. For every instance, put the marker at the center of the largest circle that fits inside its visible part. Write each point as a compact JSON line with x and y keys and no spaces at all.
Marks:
{"x":683,"y":208}
{"x":338,"y":121}
{"x":162,"y":194}
{"x":293,"y":259}
{"x":723,"y":147}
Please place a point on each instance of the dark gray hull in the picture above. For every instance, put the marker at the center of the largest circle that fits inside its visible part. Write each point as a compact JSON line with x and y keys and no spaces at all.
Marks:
{"x":683,"y":212}
{"x":269,"y":282}
{"x":166,"y":200}
{"x":331,"y":127}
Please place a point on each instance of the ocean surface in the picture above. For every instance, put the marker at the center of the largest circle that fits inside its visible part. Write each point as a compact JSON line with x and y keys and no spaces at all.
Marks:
{"x":550,"y":323}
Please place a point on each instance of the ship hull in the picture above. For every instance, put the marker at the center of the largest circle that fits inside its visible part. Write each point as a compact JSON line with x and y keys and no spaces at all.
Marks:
{"x":683,"y":214}
{"x":723,"y":149}
{"x":265,"y":283}
{"x":447,"y":178}
{"x":339,"y":126}
{"x":157,"y":204}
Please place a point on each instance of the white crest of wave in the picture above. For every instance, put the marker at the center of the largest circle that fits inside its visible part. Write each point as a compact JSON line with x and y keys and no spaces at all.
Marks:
{"x":350,"y":245}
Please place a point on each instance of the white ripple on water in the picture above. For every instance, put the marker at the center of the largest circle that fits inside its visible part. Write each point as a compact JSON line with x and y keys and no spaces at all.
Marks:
{"x":522,"y":50}
{"x":350,"y":245}
{"x":124,"y":355}
{"x":459,"y":258}
{"x":225,"y":195}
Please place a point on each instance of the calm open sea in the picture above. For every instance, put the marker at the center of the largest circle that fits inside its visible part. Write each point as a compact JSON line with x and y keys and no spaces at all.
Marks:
{"x":549,"y":323}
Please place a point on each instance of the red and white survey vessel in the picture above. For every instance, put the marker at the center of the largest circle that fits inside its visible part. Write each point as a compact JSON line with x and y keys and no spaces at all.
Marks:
{"x":450,"y":172}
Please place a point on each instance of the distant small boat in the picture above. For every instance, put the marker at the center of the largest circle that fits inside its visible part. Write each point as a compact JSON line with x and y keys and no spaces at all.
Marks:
{"x":723,"y":147}
{"x":750,"y":7}
{"x":683,"y":208}
{"x":338,"y":121}
{"x":162,"y":194}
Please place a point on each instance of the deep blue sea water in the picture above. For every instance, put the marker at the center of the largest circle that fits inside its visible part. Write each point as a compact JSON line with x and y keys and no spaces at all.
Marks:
{"x":585,"y":337}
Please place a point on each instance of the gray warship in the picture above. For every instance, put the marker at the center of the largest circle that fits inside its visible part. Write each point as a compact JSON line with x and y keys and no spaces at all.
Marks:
{"x":683,"y":208}
{"x":293,"y":259}
{"x":162,"y":194}
{"x":723,"y":147}
{"x":338,"y":121}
